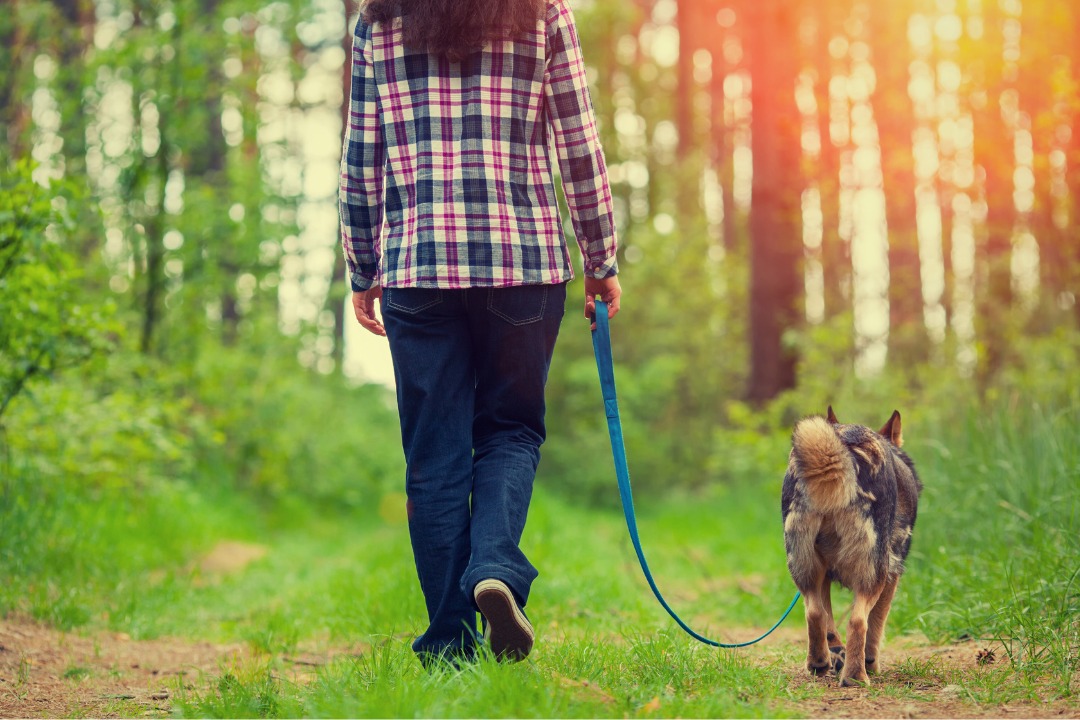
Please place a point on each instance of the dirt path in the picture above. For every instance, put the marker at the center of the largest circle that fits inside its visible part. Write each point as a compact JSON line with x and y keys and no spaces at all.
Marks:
{"x":47,"y":673}
{"x":923,"y":681}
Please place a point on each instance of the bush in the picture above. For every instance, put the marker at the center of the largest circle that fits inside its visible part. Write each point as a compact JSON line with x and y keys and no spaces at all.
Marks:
{"x":44,"y":326}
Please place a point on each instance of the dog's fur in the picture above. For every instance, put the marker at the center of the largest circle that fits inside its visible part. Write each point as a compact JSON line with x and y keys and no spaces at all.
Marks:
{"x":849,"y":502}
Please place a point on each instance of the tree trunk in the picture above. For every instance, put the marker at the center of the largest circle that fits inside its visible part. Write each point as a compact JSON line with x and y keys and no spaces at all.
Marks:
{"x":723,"y":142}
{"x":835,"y":253}
{"x":776,"y":247}
{"x":685,"y":20}
{"x":895,"y":116}
{"x":689,"y":20}
{"x":340,"y":286}
{"x":994,"y":155}
{"x":15,"y":51}
{"x":1072,"y":164}
{"x":1042,"y":45}
{"x":155,"y":252}
{"x":74,"y":38}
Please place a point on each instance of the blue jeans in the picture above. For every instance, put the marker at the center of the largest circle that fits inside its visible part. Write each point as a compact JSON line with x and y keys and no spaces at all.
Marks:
{"x":470,"y":366}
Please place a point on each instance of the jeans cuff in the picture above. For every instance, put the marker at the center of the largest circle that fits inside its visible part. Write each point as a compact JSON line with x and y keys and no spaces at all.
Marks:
{"x":518,"y":584}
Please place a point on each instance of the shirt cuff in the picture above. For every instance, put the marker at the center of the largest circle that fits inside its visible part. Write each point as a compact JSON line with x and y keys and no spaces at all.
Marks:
{"x":360,"y":283}
{"x":600,"y":269}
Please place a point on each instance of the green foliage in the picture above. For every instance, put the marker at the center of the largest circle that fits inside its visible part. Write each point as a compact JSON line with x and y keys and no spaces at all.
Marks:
{"x":122,"y":468}
{"x":47,"y":323}
{"x":999,"y":552}
{"x":679,"y":363}
{"x":122,"y":422}
{"x":276,"y":431}
{"x":74,"y":555}
{"x":123,"y":555}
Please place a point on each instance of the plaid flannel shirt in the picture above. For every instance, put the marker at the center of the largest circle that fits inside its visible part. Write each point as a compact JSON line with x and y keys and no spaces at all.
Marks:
{"x":446,"y":171}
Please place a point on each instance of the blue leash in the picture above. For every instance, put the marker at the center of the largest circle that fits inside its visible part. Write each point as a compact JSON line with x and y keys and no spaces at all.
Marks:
{"x":602,"y":348}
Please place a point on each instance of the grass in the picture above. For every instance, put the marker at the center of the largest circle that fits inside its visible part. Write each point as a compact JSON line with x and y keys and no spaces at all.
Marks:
{"x":996,"y":558}
{"x":76,"y":672}
{"x":659,"y":676}
{"x":998,"y":547}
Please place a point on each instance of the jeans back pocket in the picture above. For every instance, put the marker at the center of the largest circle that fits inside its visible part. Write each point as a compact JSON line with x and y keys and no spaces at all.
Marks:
{"x":521,"y":305}
{"x":411,"y":300}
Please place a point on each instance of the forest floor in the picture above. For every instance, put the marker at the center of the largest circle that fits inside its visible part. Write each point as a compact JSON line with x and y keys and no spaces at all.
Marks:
{"x":48,"y":673}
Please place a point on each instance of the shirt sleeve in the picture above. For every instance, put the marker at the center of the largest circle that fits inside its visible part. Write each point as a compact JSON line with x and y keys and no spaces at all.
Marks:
{"x":360,"y":201}
{"x":581,"y":159}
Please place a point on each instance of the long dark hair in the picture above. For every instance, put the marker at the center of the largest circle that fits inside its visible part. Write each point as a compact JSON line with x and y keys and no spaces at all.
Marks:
{"x":455,"y":28}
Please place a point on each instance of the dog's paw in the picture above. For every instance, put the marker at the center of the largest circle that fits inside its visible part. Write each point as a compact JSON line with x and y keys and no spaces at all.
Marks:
{"x":837,"y":655}
{"x":855,"y":680}
{"x":818,"y":666}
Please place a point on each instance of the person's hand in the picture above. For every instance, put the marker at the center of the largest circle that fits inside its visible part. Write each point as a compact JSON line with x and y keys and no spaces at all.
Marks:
{"x":609,"y":291}
{"x":364,"y":306}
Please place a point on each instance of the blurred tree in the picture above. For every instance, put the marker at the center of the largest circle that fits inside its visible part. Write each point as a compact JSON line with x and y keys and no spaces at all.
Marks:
{"x":182,"y":121}
{"x":688,"y":18}
{"x":776,"y":246}
{"x":340,"y":286}
{"x":1047,"y":93}
{"x":1072,"y":164}
{"x":835,"y":254}
{"x":1043,"y":77}
{"x":722,"y":40}
{"x":993,"y":96}
{"x":148,"y":175}
{"x":205,"y":160}
{"x":72,"y":38}
{"x":13,"y":53}
{"x":895,"y":117}
{"x":693,"y":22}
{"x":944,"y":54}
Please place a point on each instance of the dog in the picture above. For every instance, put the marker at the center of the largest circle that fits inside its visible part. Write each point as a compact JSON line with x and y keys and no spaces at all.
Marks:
{"x":849,"y":501}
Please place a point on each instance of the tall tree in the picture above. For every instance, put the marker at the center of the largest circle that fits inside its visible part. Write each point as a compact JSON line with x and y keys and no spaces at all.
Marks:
{"x":895,"y":116}
{"x":690,"y":20}
{"x":1044,"y":100}
{"x":149,"y":172}
{"x":74,"y":39}
{"x":946,"y":190}
{"x":835,"y":253}
{"x":687,"y":19}
{"x":994,"y":147}
{"x":19,"y":25}
{"x":340,"y":287}
{"x":207,"y":160}
{"x":722,"y":131}
{"x":1072,"y":162}
{"x":776,"y":247}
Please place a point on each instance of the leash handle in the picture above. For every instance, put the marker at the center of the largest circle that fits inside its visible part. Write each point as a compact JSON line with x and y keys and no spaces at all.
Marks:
{"x":605,"y":366}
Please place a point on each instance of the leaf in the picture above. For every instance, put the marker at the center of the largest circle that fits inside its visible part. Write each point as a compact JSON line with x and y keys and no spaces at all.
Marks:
{"x":651,"y":706}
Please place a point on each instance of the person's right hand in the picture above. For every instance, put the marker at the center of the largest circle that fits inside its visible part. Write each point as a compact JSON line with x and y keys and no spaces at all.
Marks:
{"x":363,"y":303}
{"x":609,"y":291}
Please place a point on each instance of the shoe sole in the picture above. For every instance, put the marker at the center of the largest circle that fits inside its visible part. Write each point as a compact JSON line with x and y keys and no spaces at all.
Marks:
{"x":510,"y":632}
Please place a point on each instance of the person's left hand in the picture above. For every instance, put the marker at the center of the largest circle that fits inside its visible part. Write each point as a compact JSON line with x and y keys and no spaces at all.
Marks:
{"x":363,"y":303}
{"x":608,"y":290}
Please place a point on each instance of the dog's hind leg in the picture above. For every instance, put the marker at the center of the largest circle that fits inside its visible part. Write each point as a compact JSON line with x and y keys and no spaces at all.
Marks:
{"x":818,"y":620}
{"x":876,"y":624}
{"x":854,"y":672}
{"x":836,"y":645}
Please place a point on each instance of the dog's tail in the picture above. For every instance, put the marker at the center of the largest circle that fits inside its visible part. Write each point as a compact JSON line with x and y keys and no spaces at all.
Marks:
{"x":823,"y":464}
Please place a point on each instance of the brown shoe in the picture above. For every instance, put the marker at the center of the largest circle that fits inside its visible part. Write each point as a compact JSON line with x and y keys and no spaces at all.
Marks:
{"x":508,"y":630}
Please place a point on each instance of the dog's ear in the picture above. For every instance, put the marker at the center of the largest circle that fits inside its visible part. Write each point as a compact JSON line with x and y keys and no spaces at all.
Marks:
{"x":831,"y":417}
{"x":891,"y":431}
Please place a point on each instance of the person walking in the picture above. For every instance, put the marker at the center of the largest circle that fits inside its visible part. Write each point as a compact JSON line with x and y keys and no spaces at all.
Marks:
{"x":459,"y":113}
